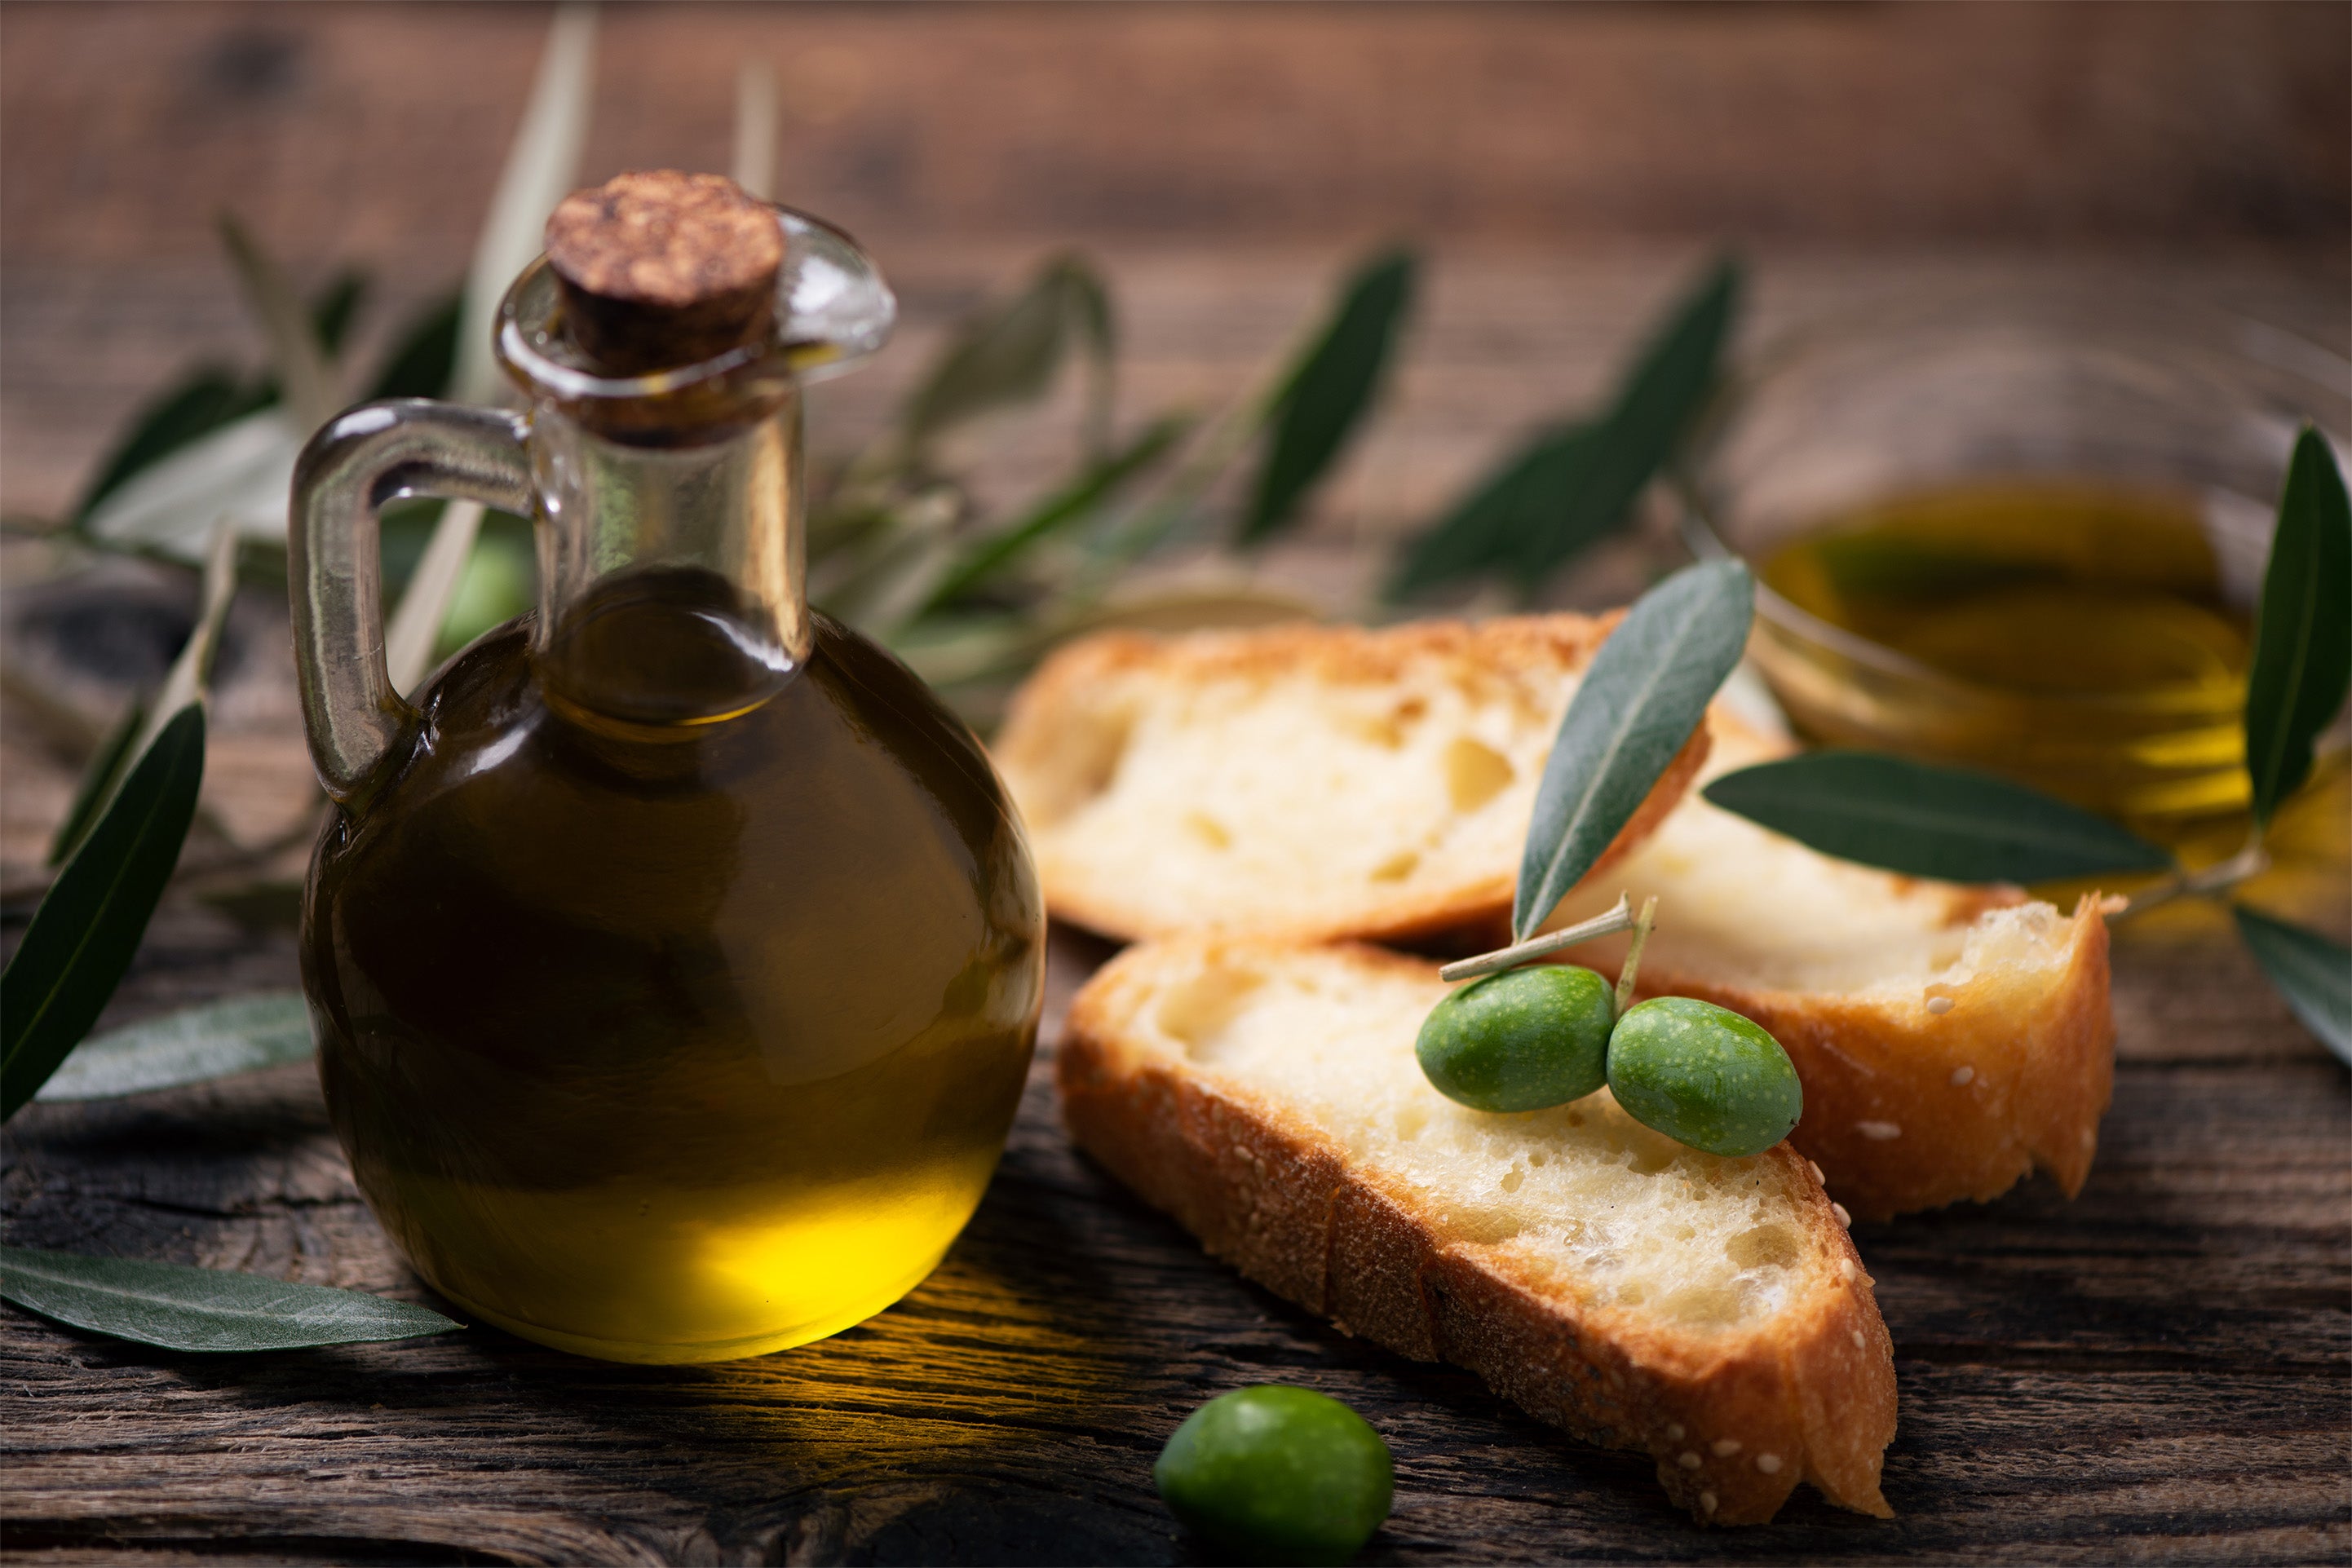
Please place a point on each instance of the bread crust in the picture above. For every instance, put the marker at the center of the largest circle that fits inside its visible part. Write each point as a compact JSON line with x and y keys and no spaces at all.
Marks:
{"x":1504,"y":648}
{"x":1811,"y":1393}
{"x":1906,"y":1109}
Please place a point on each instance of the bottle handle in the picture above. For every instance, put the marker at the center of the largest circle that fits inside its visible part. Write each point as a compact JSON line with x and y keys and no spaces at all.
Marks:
{"x":359,"y":461}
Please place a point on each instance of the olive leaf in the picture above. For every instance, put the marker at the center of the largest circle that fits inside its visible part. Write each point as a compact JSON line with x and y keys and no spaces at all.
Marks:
{"x":1327,"y":392}
{"x":1094,"y":484}
{"x":879,"y":584}
{"x":753,"y":167}
{"x":425,"y":355}
{"x":1924,"y":819}
{"x":1510,"y":503}
{"x":305,"y":380}
{"x":414,"y":628}
{"x":1010,"y":354}
{"x":2314,"y":974}
{"x":336,"y":307}
{"x":1643,"y":694}
{"x":241,"y":470}
{"x":205,"y":1310}
{"x":208,"y":398}
{"x":89,"y":923}
{"x":228,"y":454}
{"x":190,"y":679}
{"x":1565,"y":490}
{"x":2303,"y":631}
{"x":541,"y":165}
{"x":242,"y":1034}
{"x":106,"y":768}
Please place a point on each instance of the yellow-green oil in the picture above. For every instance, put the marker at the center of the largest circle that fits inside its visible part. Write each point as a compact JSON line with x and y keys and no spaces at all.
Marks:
{"x":676,"y":1041}
{"x":2074,"y":633}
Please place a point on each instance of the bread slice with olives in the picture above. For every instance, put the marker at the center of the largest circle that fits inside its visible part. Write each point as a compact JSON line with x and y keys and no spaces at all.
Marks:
{"x":1710,"y":1312}
{"x":1298,"y":781}
{"x":1949,"y":1039}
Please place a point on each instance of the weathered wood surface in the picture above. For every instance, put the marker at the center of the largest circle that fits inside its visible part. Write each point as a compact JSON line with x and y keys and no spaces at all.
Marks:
{"x":2156,"y":1369}
{"x":1227,"y":161}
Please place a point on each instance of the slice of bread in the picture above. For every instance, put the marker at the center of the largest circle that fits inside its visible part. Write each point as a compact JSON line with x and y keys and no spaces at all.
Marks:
{"x":1906,"y":1106}
{"x":1708,"y":1311}
{"x":1305,"y":782}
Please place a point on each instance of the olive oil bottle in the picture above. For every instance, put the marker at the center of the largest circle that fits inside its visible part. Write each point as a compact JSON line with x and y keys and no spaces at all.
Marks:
{"x":675,"y":956}
{"x":2074,"y":633}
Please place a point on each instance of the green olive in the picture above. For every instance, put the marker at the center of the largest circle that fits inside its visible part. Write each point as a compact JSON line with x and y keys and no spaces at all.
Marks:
{"x":1705,"y":1075}
{"x":1520,"y":1041}
{"x":1278,"y":1475}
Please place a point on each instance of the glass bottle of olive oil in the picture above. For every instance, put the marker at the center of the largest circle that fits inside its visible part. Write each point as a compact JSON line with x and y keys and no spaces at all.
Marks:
{"x":2075,"y":634}
{"x":675,"y":957}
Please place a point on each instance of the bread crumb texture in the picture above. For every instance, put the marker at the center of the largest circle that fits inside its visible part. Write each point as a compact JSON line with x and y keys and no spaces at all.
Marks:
{"x":1581,"y":1195}
{"x":1300,"y":781}
{"x":1949,"y":1039}
{"x":1607,"y":1278}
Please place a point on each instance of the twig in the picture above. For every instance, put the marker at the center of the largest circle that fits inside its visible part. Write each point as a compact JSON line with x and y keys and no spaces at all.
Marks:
{"x":1624,"y":998}
{"x":2250,"y":861}
{"x":1620,"y":918}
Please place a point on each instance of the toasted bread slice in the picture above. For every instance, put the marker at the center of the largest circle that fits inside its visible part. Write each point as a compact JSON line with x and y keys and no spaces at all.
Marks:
{"x":1710,"y":1312}
{"x":1906,"y":1106}
{"x":1305,"y":782}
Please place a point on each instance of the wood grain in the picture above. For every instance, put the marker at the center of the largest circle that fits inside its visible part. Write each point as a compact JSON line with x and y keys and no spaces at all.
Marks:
{"x":2156,"y":1369}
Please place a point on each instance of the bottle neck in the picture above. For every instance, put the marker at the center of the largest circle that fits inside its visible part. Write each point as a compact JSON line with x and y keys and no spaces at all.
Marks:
{"x":673,"y":588}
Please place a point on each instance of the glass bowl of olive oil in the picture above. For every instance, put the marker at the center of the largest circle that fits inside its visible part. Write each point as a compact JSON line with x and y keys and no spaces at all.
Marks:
{"x":2025,"y":534}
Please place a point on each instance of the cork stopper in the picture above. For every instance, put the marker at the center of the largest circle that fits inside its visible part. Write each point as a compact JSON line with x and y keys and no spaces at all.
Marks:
{"x":661,"y":269}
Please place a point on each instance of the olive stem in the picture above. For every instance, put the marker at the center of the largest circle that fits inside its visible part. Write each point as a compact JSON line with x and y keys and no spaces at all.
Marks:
{"x":1620,"y":918}
{"x":1633,"y":954}
{"x":2250,"y":861}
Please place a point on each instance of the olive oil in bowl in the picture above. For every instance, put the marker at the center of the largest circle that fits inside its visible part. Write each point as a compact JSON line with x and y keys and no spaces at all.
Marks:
{"x":2077,"y":634}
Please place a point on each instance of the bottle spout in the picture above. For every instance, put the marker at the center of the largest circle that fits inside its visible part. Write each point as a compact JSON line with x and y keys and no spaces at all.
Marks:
{"x":831,"y":297}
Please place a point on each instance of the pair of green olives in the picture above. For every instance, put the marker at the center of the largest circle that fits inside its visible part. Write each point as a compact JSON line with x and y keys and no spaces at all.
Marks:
{"x":1533,"y":1038}
{"x":1276,"y":1474}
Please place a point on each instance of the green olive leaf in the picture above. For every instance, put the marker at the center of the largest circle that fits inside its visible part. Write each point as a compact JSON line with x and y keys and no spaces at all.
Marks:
{"x":89,"y":923}
{"x":1643,"y":694}
{"x":753,"y":167}
{"x":210,"y":397}
{"x":542,"y":166}
{"x":205,"y":1310}
{"x":2314,"y":974}
{"x":1565,"y":490}
{"x":1641,"y":431}
{"x":305,"y":379}
{"x":235,"y":457}
{"x":2303,"y":632}
{"x":241,"y":471}
{"x":196,"y":407}
{"x":242,"y":1034}
{"x":97,"y":780}
{"x":1328,"y":389}
{"x":424,"y":358}
{"x":1923,"y":820}
{"x":990,"y":557}
{"x":1510,"y":503}
{"x":336,"y":307}
{"x":189,"y":680}
{"x":1010,"y":354}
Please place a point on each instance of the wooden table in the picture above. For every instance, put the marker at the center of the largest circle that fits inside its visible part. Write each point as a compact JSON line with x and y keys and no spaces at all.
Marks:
{"x":2155,"y":1370}
{"x":2158,"y":1369}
